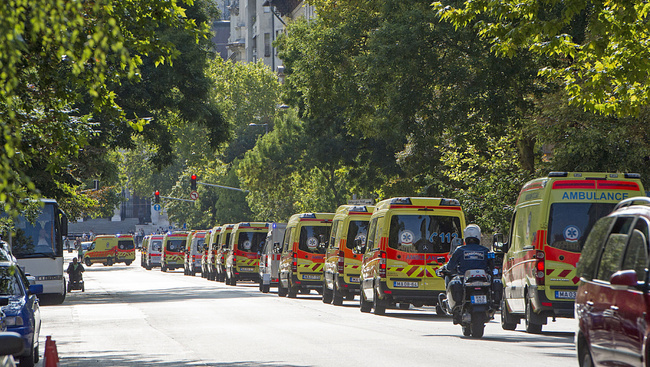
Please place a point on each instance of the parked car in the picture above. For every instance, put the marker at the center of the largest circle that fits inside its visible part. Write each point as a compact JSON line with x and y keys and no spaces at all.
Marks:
{"x":612,"y":302}
{"x":20,"y":305}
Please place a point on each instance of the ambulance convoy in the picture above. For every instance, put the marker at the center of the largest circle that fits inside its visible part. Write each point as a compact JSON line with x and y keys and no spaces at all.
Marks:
{"x":388,"y":254}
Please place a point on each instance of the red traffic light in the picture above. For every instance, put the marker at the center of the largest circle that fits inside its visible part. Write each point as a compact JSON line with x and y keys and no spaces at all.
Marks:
{"x":156,"y":195}
{"x":193,"y":182}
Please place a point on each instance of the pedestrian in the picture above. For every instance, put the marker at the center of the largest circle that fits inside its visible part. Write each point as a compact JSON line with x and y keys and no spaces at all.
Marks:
{"x":80,"y":250}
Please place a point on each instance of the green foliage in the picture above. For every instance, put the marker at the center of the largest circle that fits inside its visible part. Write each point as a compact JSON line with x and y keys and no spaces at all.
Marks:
{"x":601,"y":45}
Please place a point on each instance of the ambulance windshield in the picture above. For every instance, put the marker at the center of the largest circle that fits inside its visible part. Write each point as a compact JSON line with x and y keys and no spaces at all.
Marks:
{"x":176,"y":245}
{"x":423,"y":233}
{"x":156,"y":246}
{"x":251,"y":241}
{"x":314,"y":239}
{"x":570,"y":223}
{"x":125,"y":245}
{"x":357,"y":234}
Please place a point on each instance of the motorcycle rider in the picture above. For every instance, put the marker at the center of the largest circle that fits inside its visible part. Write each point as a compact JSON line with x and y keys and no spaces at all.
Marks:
{"x":469,"y":256}
{"x":74,"y":270}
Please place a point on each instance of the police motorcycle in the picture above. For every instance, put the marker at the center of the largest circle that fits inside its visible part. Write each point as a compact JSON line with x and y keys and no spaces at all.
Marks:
{"x":479,"y":293}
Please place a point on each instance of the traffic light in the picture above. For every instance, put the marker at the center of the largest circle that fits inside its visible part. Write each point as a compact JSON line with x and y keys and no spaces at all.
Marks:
{"x":193,"y":182}
{"x":156,"y":196}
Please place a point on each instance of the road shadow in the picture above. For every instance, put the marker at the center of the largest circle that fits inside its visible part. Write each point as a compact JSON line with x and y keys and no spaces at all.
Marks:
{"x":121,"y":359}
{"x":156,"y":295}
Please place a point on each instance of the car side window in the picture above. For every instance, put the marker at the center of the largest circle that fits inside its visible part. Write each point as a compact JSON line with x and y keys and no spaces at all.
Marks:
{"x":610,"y":262}
{"x":586,"y":267}
{"x":636,"y":254}
{"x":335,"y":228}
{"x":287,"y":239}
{"x":371,"y":236}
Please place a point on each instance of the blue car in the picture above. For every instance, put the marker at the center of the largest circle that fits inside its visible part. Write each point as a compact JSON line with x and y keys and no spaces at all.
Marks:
{"x":20,"y":305}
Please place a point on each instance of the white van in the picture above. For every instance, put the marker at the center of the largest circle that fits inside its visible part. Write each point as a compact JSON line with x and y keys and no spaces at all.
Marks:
{"x":270,"y":257}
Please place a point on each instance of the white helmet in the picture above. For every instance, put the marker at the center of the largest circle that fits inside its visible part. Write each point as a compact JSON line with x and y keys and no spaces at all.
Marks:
{"x":472,"y":231}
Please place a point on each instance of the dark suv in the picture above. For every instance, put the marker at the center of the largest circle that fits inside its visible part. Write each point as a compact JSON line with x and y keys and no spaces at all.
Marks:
{"x":613,"y":299}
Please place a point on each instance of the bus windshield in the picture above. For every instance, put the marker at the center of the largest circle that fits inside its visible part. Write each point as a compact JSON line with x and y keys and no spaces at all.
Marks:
{"x":36,"y":239}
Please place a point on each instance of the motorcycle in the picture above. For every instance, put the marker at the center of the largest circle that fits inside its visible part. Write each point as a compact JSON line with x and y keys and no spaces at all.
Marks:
{"x":478,"y":304}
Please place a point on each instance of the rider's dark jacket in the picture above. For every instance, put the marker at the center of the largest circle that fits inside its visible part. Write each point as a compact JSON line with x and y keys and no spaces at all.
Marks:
{"x":470,"y":256}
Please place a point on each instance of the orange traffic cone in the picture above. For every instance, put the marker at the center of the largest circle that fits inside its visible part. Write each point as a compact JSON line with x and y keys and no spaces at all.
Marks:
{"x":51,"y":355}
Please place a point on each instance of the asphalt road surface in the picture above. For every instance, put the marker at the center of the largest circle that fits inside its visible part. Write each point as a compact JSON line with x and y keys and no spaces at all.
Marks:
{"x":129,"y":316}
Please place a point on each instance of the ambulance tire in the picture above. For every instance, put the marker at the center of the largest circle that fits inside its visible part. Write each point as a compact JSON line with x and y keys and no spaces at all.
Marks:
{"x":148,"y":267}
{"x":292,"y":292}
{"x":282,"y":291}
{"x":109,"y":261}
{"x":404,"y":306}
{"x":305,"y":290}
{"x":364,"y":305}
{"x":337,"y":299}
{"x":163,"y":267}
{"x":531,"y":327}
{"x":349,"y":296}
{"x":508,"y":322}
{"x":266,"y":288}
{"x":88,"y":262}
{"x":233,"y":281}
{"x":128,"y":262}
{"x":440,"y":311}
{"x":327,"y":293}
{"x":378,"y":305}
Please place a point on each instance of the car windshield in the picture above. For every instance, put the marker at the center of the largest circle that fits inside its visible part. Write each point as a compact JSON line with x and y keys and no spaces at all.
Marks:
{"x":176,"y":245}
{"x":314,"y":238}
{"x":423,"y":233}
{"x":570,"y":223}
{"x":156,"y":245}
{"x":357,"y":234}
{"x":251,"y":241}
{"x":9,"y":282}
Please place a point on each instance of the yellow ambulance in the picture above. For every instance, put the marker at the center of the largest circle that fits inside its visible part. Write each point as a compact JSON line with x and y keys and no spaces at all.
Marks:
{"x":553,"y":216}
{"x":173,"y":251}
{"x":408,"y":239}
{"x":243,"y":254}
{"x":342,"y":267}
{"x":303,"y":253}
{"x":110,"y":249}
{"x":219,"y":260}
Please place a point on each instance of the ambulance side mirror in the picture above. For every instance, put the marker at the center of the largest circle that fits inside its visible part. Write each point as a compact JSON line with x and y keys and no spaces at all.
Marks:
{"x":499,"y":245}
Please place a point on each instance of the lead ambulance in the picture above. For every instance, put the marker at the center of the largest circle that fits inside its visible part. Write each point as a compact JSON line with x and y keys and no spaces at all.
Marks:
{"x":110,"y":249}
{"x":342,"y":267}
{"x":303,"y":253}
{"x":408,"y":239}
{"x":552,"y":219}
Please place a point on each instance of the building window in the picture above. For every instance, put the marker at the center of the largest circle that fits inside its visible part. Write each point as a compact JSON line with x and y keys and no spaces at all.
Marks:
{"x":267,"y":44}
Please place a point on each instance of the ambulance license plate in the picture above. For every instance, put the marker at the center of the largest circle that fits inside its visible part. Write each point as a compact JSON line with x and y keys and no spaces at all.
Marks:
{"x":248,"y":270}
{"x":406,"y":284}
{"x":479,"y":300}
{"x":354,"y":279}
{"x":565,"y":294}
{"x":311,"y":277}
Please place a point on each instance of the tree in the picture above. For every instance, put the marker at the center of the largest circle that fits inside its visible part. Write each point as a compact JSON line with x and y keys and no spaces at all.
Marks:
{"x":598,"y":47}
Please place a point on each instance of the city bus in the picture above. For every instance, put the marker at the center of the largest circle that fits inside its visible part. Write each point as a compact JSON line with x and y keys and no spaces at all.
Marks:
{"x":38,"y":247}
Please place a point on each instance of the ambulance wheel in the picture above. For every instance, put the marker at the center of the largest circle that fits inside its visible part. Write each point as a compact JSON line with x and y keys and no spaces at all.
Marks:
{"x":266,"y":288}
{"x":337,"y":299}
{"x":163,"y":267}
{"x":327,"y":293}
{"x":128,"y":262}
{"x":282,"y":291}
{"x":364,"y":305}
{"x":109,"y":261}
{"x":467,"y":330}
{"x":508,"y":322}
{"x":378,"y":305}
{"x":404,"y":306}
{"x":233,"y":281}
{"x":292,"y":292}
{"x":148,"y":267}
{"x":531,"y":327}
{"x":305,"y":290}
{"x":440,"y":311}
{"x":349,"y":296}
{"x":88,"y":262}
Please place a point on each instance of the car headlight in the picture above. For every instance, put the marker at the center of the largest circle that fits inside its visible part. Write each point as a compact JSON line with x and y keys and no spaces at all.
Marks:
{"x":14,"y":321}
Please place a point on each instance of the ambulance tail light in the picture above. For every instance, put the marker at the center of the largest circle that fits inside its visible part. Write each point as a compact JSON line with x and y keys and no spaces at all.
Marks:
{"x":382,"y":264}
{"x":540,"y":267}
{"x":294,"y":263}
{"x":341,"y":262}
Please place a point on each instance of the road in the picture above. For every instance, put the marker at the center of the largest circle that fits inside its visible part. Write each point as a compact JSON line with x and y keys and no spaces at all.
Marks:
{"x":129,"y":316}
